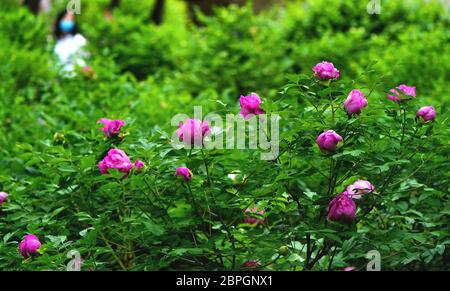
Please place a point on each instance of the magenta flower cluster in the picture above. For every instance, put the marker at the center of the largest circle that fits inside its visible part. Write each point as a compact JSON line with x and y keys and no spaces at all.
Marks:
{"x":118,"y":159}
{"x":402,"y":93}
{"x":29,"y":246}
{"x":250,"y":105}
{"x":192,"y":131}
{"x":355,"y":102}
{"x":325,"y":71}
{"x":3,"y":197}
{"x":254,"y":216}
{"x":343,"y":208}
{"x":328,"y":140}
{"x":111,"y":127}
{"x":183,"y":173}
{"x":426,"y":113}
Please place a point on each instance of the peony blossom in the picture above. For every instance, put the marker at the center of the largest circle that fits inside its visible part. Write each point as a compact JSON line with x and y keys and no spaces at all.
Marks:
{"x":342,"y":208}
{"x":355,"y":102}
{"x":118,"y":159}
{"x":250,"y":105}
{"x":88,"y":71}
{"x":358,"y":188}
{"x":3,"y":197}
{"x":249,"y":213}
{"x":29,"y":245}
{"x":192,"y":131}
{"x":401,"y":91}
{"x":325,"y":71}
{"x":348,"y":269}
{"x":252,"y":264}
{"x":139,"y":164}
{"x":183,"y":172}
{"x":328,"y":140}
{"x":112,"y":127}
{"x":427,"y":113}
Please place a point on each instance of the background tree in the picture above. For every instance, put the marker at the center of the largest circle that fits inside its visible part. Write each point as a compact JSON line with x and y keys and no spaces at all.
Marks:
{"x":33,"y":5}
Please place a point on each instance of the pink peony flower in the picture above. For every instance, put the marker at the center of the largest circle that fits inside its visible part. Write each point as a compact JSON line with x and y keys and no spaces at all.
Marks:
{"x":250,"y":105}
{"x":139,"y":164}
{"x":3,"y":197}
{"x":88,"y":71}
{"x":183,"y":172}
{"x":355,"y":102}
{"x":192,"y":131}
{"x":427,"y":113}
{"x":325,"y":71}
{"x":358,"y":188}
{"x":112,"y":127}
{"x":347,"y":269}
{"x":29,"y":245}
{"x":342,"y":208}
{"x":118,"y":159}
{"x":402,"y":91}
{"x":249,"y":213}
{"x":328,"y":140}
{"x":252,"y":264}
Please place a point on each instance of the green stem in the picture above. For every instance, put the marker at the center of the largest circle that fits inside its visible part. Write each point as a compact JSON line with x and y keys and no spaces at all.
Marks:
{"x":332,"y":258}
{"x":206,"y":167}
{"x":119,"y":261}
{"x":196,"y":209}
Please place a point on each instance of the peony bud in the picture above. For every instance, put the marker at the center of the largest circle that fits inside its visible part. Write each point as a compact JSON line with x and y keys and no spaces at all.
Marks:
{"x":88,"y":71}
{"x":58,"y":137}
{"x":250,"y":105}
{"x":3,"y":197}
{"x":347,"y":269}
{"x":358,"y":188}
{"x":250,"y":216}
{"x":118,"y":159}
{"x":183,"y":172}
{"x":355,"y":102}
{"x":342,"y":208}
{"x":401,"y":92}
{"x":192,"y":131}
{"x":427,"y":113}
{"x":112,"y":127}
{"x":328,"y":140}
{"x":284,"y":250}
{"x":139,"y":164}
{"x":29,"y":245}
{"x":252,"y":264}
{"x":325,"y":71}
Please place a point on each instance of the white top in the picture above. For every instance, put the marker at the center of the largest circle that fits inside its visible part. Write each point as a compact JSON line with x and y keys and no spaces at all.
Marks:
{"x":69,"y":51}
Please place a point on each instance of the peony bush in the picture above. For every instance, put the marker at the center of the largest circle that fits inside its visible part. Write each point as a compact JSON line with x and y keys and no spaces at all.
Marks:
{"x":309,"y":209}
{"x":363,"y":152}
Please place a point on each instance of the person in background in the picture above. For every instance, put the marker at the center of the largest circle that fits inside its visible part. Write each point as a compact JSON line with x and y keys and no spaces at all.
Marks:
{"x":69,"y":42}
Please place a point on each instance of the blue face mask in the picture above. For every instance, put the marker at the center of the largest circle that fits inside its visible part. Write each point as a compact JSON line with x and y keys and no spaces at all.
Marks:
{"x":66,"y":26}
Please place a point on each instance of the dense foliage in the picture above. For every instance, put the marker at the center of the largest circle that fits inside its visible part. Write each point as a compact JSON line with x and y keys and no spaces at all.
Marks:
{"x":144,"y":74}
